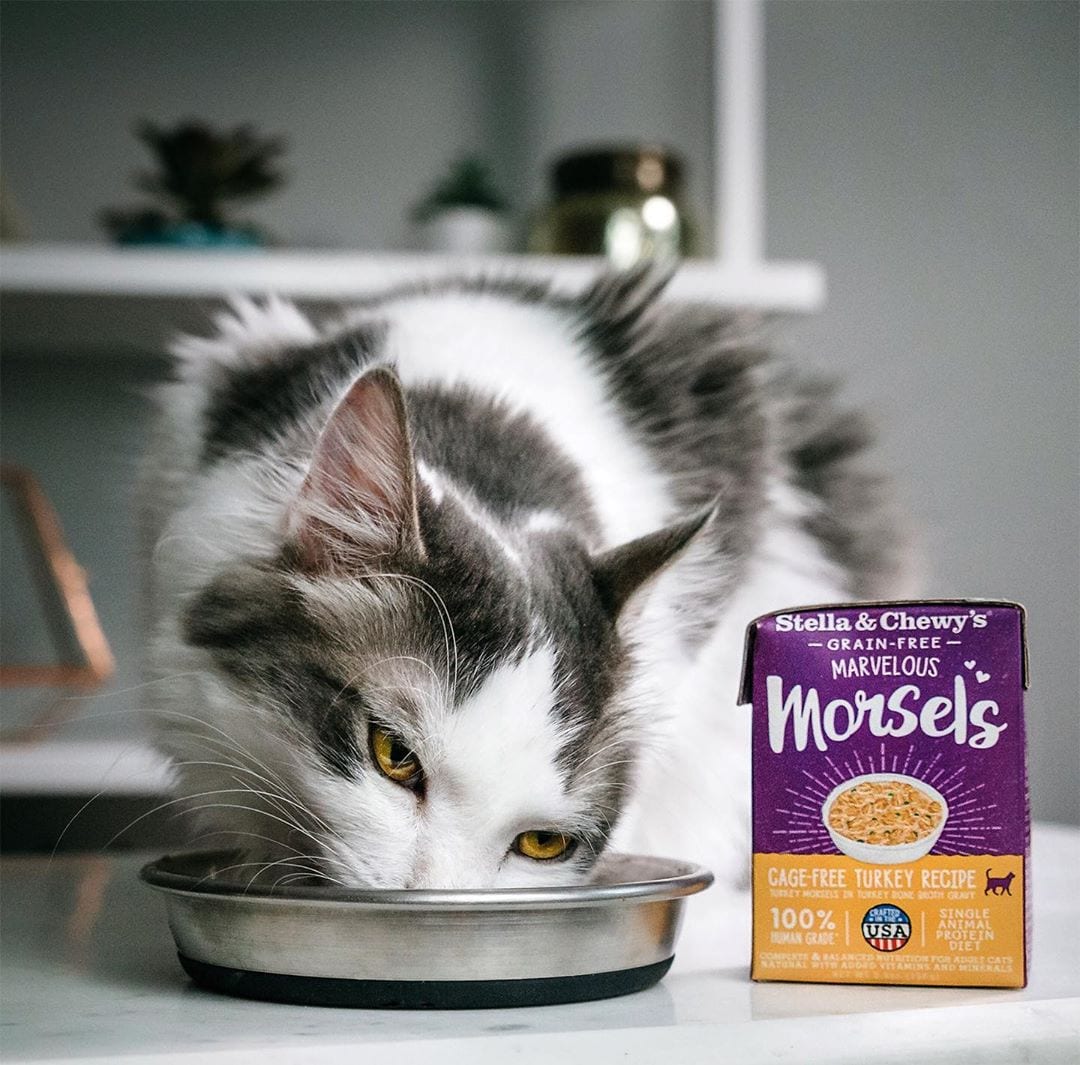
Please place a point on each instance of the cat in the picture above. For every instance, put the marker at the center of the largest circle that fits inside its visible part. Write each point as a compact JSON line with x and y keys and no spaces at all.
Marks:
{"x":998,"y":885}
{"x":449,"y":589}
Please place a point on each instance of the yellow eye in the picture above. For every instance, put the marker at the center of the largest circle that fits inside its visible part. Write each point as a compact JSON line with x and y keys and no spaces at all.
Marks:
{"x":392,"y":756}
{"x":543,"y":846}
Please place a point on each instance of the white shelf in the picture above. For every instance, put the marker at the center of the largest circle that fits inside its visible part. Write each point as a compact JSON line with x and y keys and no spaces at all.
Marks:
{"x":82,"y":767}
{"x":73,"y":269}
{"x":79,"y":298}
{"x":86,"y":299}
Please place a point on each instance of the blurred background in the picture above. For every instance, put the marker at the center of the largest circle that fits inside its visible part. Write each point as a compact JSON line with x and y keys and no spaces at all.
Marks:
{"x":896,"y":182}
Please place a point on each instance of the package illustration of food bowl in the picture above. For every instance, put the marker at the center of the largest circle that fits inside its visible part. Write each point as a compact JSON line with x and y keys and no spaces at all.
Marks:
{"x":890,"y":800}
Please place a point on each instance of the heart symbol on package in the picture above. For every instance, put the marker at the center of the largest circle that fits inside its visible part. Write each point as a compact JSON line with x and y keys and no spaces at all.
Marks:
{"x":980,"y":676}
{"x":969,"y":664}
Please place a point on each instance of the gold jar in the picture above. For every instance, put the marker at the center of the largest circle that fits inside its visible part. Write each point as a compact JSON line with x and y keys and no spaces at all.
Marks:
{"x":623,"y":203}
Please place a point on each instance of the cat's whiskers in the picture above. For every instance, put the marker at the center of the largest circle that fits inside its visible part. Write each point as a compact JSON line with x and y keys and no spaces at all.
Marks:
{"x":605,"y":820}
{"x":421,"y":695}
{"x":613,"y":785}
{"x":168,"y":803}
{"x":275,"y":785}
{"x":610,"y":741}
{"x":275,"y":799}
{"x":600,"y":768}
{"x":292,"y":863}
{"x":75,"y":816}
{"x":275,"y":782}
{"x":288,"y":878}
{"x":395,"y":688}
{"x":203,"y":836}
{"x":445,"y":620}
{"x":265,"y":865}
{"x":231,"y":744}
{"x":188,"y":808}
{"x":182,"y":538}
{"x":113,"y":693}
{"x":411,"y":658}
{"x":237,"y":767}
{"x":98,"y":794}
{"x":230,"y":741}
{"x":238,"y":806}
{"x":592,"y":756}
{"x":317,"y":830}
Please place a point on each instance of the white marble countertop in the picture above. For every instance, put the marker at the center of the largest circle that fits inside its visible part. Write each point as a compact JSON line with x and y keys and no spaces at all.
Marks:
{"x":88,"y":974}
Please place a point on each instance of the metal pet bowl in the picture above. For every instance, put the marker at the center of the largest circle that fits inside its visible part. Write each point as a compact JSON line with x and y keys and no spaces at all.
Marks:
{"x":459,"y":949}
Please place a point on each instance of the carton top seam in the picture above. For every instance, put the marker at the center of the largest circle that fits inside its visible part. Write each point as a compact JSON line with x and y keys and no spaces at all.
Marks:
{"x":745,"y":695}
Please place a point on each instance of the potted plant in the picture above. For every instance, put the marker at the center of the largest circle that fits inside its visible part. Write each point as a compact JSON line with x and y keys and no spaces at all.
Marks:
{"x":463,"y":214}
{"x":200,"y":171}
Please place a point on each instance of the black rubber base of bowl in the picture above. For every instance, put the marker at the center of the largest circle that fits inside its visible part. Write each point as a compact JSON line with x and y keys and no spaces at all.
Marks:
{"x":422,"y":994}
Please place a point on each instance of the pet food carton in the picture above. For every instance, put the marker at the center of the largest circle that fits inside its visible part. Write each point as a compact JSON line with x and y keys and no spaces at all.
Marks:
{"x":890,"y":804}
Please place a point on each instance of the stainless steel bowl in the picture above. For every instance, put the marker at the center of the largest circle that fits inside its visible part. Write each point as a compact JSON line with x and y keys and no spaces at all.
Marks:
{"x":427,"y":949}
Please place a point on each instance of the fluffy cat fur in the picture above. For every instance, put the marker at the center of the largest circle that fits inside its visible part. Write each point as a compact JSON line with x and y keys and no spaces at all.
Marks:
{"x":520,"y":531}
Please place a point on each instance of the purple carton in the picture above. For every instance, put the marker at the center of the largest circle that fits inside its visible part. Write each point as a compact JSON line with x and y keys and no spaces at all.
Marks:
{"x":890,"y":800}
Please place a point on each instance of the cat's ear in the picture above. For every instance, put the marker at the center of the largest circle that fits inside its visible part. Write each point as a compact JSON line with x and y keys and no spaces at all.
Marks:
{"x":624,"y":570}
{"x":357,"y":504}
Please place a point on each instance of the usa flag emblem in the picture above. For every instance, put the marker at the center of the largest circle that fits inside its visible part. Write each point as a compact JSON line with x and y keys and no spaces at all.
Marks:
{"x":886,"y":927}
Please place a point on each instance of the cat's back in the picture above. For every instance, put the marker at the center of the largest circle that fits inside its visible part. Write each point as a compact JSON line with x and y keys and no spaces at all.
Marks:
{"x":528,"y":351}
{"x":267,"y":378}
{"x":660,"y":408}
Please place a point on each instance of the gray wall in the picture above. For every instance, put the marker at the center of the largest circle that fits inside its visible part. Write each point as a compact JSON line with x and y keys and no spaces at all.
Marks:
{"x":79,"y":425}
{"x":370,"y":99}
{"x":375,"y":98}
{"x":925,"y":152}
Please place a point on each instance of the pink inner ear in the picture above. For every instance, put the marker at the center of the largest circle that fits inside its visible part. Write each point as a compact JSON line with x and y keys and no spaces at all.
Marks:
{"x":361,"y":457}
{"x":358,"y":494}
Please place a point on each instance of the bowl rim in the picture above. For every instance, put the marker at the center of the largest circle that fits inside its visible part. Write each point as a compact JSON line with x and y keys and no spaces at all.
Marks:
{"x":927,"y":841}
{"x":683,"y":879}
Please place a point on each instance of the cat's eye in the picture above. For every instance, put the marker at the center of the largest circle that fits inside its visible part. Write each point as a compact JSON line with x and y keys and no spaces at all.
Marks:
{"x":394,"y":758}
{"x":543,"y":846}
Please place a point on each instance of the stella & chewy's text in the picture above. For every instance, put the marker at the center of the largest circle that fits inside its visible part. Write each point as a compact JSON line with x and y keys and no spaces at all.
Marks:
{"x":890,"y":793}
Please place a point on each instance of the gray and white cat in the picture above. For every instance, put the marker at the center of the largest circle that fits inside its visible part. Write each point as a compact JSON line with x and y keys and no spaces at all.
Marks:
{"x":450,"y":591}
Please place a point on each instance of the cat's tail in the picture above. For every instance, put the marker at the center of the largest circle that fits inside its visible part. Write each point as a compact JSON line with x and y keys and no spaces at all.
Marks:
{"x":859,"y":516}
